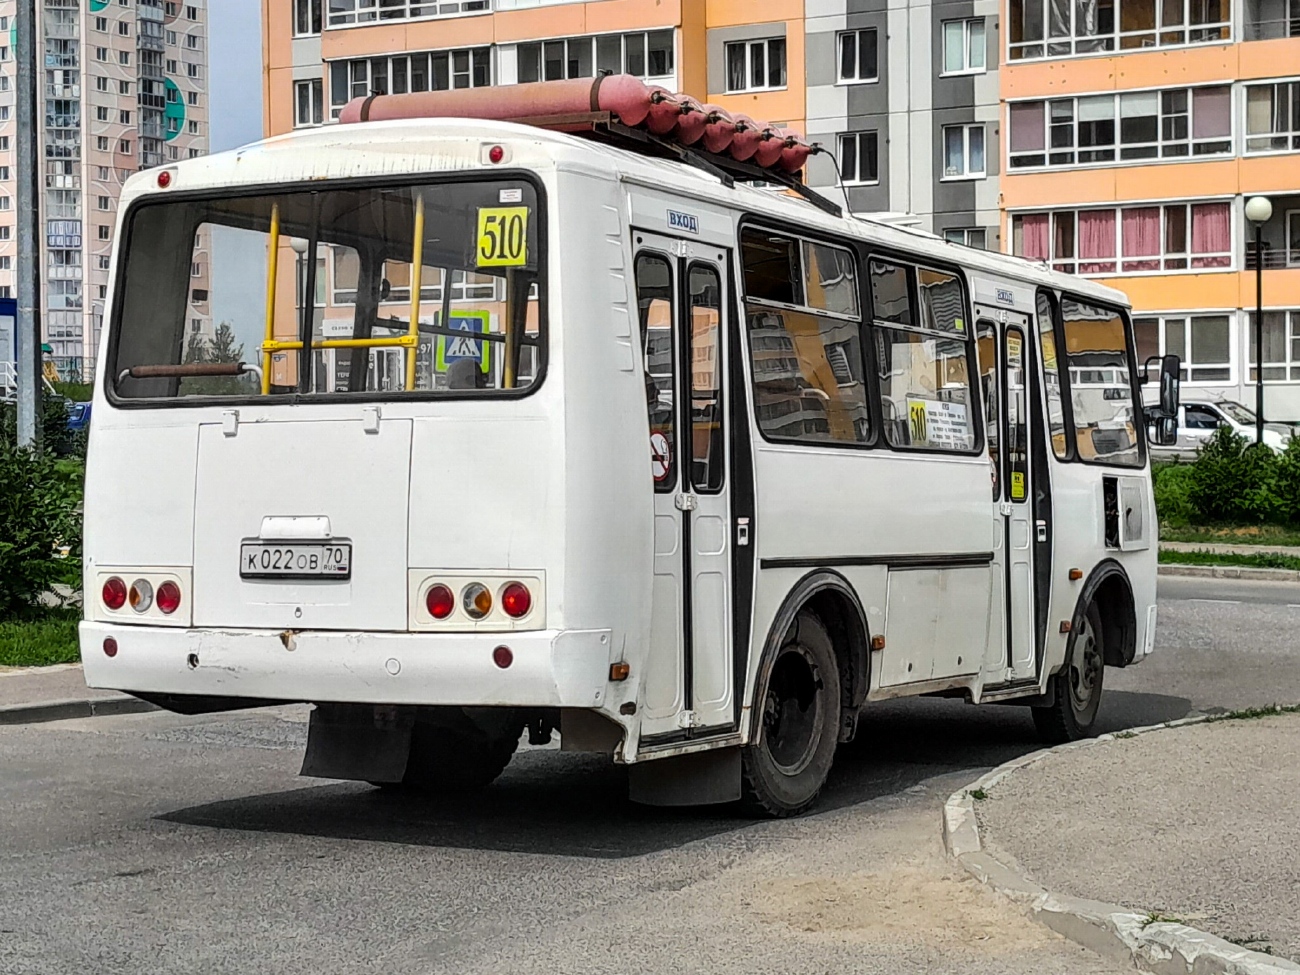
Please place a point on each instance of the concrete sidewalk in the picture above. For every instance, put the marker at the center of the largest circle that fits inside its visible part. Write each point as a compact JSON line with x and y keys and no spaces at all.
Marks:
{"x":52,"y":693}
{"x":1194,"y":824}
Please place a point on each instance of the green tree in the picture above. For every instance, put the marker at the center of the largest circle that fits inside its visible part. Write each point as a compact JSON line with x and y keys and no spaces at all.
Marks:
{"x":223,"y":348}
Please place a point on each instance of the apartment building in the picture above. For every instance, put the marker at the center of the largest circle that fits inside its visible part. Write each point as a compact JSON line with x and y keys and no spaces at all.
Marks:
{"x":1117,"y":139}
{"x":122,"y":87}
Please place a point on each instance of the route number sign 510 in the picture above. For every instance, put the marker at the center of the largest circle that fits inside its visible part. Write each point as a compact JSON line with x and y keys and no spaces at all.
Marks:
{"x":502,"y":236}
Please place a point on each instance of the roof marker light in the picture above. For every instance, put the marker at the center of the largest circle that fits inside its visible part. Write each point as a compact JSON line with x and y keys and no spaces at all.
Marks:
{"x":496,"y":154}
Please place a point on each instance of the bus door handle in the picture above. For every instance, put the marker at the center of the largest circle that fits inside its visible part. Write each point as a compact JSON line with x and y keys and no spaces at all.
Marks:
{"x":1042,"y":530}
{"x":742,"y":532}
{"x":686,"y":502}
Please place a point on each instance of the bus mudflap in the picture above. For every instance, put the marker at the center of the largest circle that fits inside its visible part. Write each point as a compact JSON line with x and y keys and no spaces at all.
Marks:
{"x":363,"y":742}
{"x":695,"y":779}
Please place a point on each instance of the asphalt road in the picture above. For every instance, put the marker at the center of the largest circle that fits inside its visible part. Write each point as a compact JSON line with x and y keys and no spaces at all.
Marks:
{"x":166,"y":844}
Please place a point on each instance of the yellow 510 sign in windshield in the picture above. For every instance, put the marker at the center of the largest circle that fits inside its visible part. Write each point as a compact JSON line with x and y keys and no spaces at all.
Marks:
{"x":502,"y":236}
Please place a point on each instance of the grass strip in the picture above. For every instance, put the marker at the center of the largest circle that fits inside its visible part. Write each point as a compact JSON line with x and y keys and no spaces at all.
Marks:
{"x":1261,"y":535}
{"x":48,"y":639}
{"x":1254,"y":560}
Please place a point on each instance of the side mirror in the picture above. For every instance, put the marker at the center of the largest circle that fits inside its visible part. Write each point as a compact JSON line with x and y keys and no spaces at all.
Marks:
{"x":1169,"y":388}
{"x":1164,"y":432}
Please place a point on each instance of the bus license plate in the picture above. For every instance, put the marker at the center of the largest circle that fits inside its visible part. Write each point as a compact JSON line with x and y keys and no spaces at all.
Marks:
{"x":295,"y":560}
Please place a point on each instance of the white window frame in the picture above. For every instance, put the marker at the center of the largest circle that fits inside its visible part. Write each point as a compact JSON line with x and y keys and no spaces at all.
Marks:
{"x":1117,"y":145}
{"x":856,"y":35}
{"x":315,"y":89}
{"x":1287,"y":133}
{"x":1290,"y":364}
{"x":856,"y":138}
{"x":360,"y":78}
{"x":369,"y":12}
{"x":965,"y":236}
{"x":1189,"y":367}
{"x":1070,"y":265}
{"x":624,"y":39}
{"x":968,"y":172}
{"x":749,"y":47}
{"x":1074,"y":44}
{"x":966,"y":26}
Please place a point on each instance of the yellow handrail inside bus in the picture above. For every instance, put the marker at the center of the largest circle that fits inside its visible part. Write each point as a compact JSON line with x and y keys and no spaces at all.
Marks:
{"x":273,"y":249}
{"x":417,"y":265}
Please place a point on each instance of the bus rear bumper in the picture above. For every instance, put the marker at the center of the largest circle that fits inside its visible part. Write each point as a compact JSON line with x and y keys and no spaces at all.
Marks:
{"x":549,"y":668}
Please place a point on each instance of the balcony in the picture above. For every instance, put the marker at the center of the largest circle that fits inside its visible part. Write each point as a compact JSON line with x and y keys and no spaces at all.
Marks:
{"x":1269,"y":20}
{"x":1280,"y":238}
{"x":146,"y":42}
{"x":63,"y":91}
{"x":61,"y":31}
{"x":150,"y":130}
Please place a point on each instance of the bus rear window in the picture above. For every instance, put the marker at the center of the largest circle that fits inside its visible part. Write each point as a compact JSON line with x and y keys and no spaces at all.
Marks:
{"x":381,"y":290}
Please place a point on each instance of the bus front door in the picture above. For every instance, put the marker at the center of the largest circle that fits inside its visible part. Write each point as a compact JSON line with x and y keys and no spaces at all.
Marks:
{"x":1018,"y":492}
{"x":681,"y":300}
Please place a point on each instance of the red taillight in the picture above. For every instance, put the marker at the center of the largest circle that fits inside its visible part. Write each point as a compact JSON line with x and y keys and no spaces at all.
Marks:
{"x":114,"y":593}
{"x":516,"y":600}
{"x":503,"y":657}
{"x":439,"y":601}
{"x":110,"y":647}
{"x":168,"y":597}
{"x":496,"y":154}
{"x":164,"y":179}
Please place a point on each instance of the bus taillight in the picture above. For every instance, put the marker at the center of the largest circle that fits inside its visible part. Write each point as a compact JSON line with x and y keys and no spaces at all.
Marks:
{"x":516,"y":600}
{"x":141,"y":595}
{"x":439,"y":601}
{"x":168,"y":597}
{"x":114,"y":593}
{"x":477,"y":600}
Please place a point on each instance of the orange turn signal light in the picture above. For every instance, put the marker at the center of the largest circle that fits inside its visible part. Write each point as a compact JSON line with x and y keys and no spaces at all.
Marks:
{"x":619,"y":671}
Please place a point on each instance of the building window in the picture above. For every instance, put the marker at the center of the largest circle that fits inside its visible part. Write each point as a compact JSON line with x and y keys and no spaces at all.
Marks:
{"x":343,"y":12}
{"x":858,"y":55}
{"x":436,"y":71}
{"x":4,"y":203}
{"x":1171,"y":124}
{"x":104,"y":232}
{"x":103,"y":262}
{"x":101,"y":113}
{"x":101,"y":54}
{"x":101,"y":24}
{"x":963,"y":151}
{"x":124,"y":116}
{"x":191,"y":13}
{"x":1057,"y":28}
{"x":307,"y":102}
{"x":192,"y":98}
{"x":859,"y":158}
{"x":1273,"y":117}
{"x":964,"y":46}
{"x":193,"y":42}
{"x":123,"y":57}
{"x":1203,"y":342}
{"x":642,"y":53}
{"x":191,"y":70}
{"x":1127,"y":240}
{"x":172,"y":66}
{"x":124,"y":87}
{"x":306,"y":17}
{"x":1281,"y":346}
{"x":192,"y":127}
{"x":969,"y":236}
{"x":124,"y":28}
{"x":124,"y":146}
{"x":103,"y":203}
{"x":756,"y":65}
{"x":101,"y":143}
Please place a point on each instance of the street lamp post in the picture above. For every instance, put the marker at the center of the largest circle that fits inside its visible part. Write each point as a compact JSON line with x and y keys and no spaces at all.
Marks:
{"x":1258,"y":212}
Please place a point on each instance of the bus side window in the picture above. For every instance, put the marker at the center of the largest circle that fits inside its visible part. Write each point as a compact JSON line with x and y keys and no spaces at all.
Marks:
{"x":654,"y":298}
{"x":707,"y":463}
{"x":987,"y":334}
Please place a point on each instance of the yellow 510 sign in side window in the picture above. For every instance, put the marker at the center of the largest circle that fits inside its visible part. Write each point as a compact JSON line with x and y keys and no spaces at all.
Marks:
{"x":502,"y":236}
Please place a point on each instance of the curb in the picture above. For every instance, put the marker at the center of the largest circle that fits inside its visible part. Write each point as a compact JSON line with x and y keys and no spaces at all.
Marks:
{"x":1228,"y":572}
{"x":1119,"y":933}
{"x":14,"y":714}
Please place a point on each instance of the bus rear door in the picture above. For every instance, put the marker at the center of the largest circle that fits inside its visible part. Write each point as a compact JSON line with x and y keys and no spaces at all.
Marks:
{"x":681,"y":297}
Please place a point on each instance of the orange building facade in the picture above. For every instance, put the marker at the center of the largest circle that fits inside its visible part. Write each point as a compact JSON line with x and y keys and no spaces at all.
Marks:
{"x":1118,"y":139}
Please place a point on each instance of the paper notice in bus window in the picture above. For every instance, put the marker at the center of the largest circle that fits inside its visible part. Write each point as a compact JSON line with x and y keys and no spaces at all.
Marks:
{"x":1014,"y":347}
{"x":1017,"y":485}
{"x":938,"y":423}
{"x":502,"y":236}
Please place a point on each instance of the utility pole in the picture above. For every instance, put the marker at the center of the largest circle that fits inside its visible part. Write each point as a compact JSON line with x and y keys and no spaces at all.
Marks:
{"x":27,"y":167}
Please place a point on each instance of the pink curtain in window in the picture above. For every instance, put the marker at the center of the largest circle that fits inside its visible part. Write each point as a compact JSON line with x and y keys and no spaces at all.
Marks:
{"x":1033,"y":236}
{"x":1140,"y":227}
{"x":1096,"y":241}
{"x":1211,"y":235}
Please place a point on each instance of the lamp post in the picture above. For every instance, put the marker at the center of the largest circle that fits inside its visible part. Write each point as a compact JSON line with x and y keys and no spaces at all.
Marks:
{"x":1258,"y":212}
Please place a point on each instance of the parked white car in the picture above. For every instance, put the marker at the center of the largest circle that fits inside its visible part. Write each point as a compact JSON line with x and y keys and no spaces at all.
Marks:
{"x":1198,"y":419}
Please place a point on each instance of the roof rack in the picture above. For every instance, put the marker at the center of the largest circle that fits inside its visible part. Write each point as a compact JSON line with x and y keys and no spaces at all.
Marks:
{"x":622,"y":110}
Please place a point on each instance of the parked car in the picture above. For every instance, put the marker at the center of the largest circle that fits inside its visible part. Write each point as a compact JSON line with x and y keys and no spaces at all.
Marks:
{"x":78,"y":416}
{"x":1198,"y":419}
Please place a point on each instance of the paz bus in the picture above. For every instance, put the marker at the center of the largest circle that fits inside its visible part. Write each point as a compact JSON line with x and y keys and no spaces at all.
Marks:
{"x":573,"y":409}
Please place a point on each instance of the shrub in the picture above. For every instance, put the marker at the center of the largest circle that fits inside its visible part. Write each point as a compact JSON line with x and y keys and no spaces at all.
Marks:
{"x":1173,"y":485}
{"x":39,"y":513}
{"x":1286,"y":483}
{"x":1233,"y":480}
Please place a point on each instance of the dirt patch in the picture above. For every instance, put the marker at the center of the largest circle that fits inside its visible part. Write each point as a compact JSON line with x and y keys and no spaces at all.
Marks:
{"x":910,"y":904}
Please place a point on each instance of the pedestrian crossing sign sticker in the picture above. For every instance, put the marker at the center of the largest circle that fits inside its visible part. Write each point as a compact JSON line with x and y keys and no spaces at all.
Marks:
{"x":453,"y":347}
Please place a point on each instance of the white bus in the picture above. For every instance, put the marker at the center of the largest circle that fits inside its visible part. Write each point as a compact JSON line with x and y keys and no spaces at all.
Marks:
{"x":689,"y":470}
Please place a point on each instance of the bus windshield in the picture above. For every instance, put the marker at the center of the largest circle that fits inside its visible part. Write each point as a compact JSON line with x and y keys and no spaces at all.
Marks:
{"x":432,"y":289}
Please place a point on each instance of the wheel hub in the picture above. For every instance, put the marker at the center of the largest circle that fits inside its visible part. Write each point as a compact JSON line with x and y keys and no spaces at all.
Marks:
{"x":792,"y":711}
{"x":1085,"y":667}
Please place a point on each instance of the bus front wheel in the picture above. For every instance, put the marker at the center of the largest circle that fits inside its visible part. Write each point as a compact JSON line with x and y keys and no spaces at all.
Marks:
{"x":1078,"y":685}
{"x":786,"y":767}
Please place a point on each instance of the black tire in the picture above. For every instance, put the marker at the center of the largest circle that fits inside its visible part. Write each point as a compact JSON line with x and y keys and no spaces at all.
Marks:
{"x":464,"y":752}
{"x":1078,"y":686}
{"x":786,"y":766}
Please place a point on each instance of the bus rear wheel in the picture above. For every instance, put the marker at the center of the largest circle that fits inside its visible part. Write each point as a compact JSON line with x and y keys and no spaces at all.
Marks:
{"x":461,"y":750}
{"x":1078,"y":686}
{"x":786,"y":767}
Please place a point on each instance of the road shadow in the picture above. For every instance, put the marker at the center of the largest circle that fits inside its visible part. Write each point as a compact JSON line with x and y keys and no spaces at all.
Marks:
{"x":560,"y":804}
